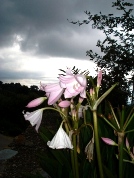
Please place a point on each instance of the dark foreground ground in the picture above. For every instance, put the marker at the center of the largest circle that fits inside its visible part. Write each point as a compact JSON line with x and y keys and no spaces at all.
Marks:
{"x":27,"y":144}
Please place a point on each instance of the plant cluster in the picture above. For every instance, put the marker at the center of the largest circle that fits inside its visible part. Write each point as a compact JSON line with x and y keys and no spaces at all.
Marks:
{"x":76,"y":149}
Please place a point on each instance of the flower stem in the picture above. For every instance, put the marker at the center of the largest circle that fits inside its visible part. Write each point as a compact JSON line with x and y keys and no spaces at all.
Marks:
{"x":97,"y":144}
{"x":75,"y":156}
{"x":120,"y":143}
{"x":121,"y":160}
{"x":72,"y":161}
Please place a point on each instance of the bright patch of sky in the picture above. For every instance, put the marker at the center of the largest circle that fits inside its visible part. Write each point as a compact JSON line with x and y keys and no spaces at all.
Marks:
{"x":41,"y":69}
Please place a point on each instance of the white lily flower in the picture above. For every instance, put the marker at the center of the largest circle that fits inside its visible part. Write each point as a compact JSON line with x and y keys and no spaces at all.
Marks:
{"x":60,"y":140}
{"x":34,"y":118}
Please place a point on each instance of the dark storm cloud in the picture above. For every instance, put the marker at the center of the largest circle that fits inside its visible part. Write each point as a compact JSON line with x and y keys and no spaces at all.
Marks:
{"x":10,"y":74}
{"x":44,"y":27}
{"x":42,"y":30}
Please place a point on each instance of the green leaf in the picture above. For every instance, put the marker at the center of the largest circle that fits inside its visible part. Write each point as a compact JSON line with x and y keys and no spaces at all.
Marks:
{"x":103,"y":96}
{"x":107,"y":172}
{"x":49,"y":164}
{"x":62,"y":157}
{"x":46,"y":134}
{"x":86,"y":169}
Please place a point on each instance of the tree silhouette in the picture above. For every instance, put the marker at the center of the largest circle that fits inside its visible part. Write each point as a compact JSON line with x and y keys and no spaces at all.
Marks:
{"x":117,"y":48}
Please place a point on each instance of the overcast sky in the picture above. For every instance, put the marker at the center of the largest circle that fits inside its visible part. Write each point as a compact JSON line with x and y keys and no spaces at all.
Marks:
{"x":36,"y":38}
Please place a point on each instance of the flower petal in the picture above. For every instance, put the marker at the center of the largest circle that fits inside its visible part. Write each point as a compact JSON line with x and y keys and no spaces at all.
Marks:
{"x":81,"y":79}
{"x":73,"y":84}
{"x":83,"y":94}
{"x":67,"y":94}
{"x":52,"y":87}
{"x":55,"y":96}
{"x":67,"y":79}
{"x":53,"y":92}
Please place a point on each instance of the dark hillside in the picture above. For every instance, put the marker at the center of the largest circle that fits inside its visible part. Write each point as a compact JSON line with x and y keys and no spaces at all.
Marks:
{"x":13,"y":99}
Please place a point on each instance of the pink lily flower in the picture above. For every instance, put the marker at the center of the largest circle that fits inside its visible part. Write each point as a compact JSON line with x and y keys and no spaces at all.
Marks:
{"x":73,"y":84}
{"x":34,"y":118}
{"x":99,"y":78}
{"x":35,"y":102}
{"x":53,"y":92}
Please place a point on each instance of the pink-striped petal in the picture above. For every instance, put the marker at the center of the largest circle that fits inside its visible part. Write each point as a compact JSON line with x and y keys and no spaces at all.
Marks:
{"x":55,"y":96}
{"x":81,"y":79}
{"x":67,"y":94}
{"x":52,"y":87}
{"x":67,"y":79}
{"x":83,"y":94}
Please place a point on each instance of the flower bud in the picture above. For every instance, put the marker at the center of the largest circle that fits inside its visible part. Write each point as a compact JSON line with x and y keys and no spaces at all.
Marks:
{"x":109,"y":141}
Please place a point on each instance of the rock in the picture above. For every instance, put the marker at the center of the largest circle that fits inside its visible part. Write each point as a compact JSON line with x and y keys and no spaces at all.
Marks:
{"x":7,"y":154}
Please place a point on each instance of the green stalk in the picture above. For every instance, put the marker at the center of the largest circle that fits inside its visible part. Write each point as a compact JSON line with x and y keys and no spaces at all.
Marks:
{"x":97,"y":144}
{"x":121,"y":160}
{"x":75,"y":157}
{"x":72,"y":161}
{"x":120,"y":143}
